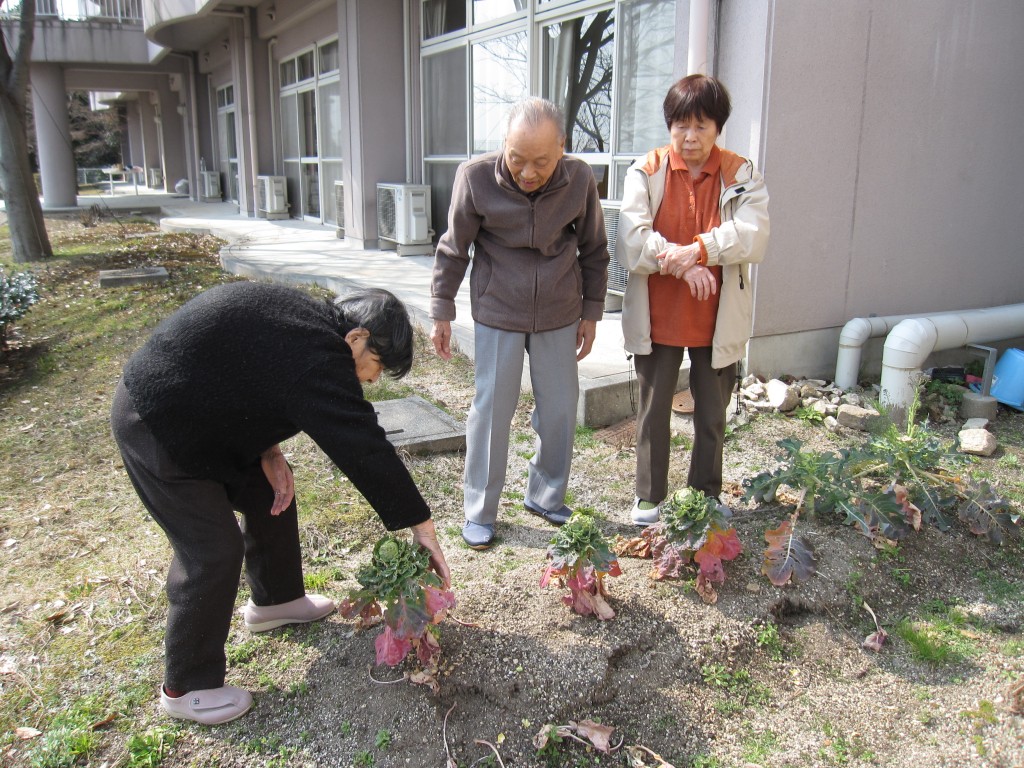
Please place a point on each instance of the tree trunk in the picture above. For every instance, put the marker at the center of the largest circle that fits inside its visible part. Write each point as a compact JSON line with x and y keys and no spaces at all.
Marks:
{"x":24,"y":212}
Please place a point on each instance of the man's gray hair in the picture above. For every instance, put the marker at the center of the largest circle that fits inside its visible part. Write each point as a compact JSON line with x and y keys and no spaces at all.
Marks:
{"x":535,"y":111}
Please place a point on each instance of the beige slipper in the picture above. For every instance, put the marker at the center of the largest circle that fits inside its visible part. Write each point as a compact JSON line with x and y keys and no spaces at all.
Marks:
{"x":260,"y":618}
{"x":209,"y":706}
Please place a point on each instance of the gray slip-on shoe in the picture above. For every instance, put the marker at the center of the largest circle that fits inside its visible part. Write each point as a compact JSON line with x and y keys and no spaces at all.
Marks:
{"x":478,"y":535}
{"x":561,"y":517}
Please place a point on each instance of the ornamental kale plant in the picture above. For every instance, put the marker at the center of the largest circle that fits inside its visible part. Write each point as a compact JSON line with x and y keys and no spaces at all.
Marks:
{"x":899,"y":479}
{"x":18,"y":292}
{"x":694,"y":529}
{"x":579,"y":557}
{"x":398,"y":585}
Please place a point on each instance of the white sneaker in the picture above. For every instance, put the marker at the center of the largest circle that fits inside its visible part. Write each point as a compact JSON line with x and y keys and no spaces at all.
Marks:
{"x":260,"y":618}
{"x":209,"y":706}
{"x":645,"y":517}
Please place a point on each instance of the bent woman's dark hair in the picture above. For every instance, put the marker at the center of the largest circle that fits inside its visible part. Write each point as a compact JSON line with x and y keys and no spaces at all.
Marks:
{"x":697,"y":96}
{"x":387,"y":320}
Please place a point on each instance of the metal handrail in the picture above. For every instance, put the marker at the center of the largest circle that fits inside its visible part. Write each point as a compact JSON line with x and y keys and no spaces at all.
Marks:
{"x":118,"y":11}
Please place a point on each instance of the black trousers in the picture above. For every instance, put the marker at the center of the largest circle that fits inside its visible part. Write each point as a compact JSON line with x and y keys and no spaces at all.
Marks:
{"x":210,"y":545}
{"x":656,"y":374}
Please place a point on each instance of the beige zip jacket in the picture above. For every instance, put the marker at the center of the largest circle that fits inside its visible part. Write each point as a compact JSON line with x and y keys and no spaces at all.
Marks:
{"x":739,"y":241}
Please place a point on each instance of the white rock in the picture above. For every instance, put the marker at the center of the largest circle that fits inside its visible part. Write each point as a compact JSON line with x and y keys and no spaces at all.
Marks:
{"x":755,"y":390}
{"x":855,"y":417}
{"x":819,"y":383}
{"x":976,"y":423}
{"x":809,"y":390}
{"x":978,"y":442}
{"x":748,"y":380}
{"x":823,"y":407}
{"x":851,"y":398}
{"x":782,"y":396}
{"x":831,"y":423}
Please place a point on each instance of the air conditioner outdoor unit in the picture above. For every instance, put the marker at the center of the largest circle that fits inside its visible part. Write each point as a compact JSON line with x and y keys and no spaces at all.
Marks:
{"x":209,"y":187}
{"x":616,"y":273}
{"x":339,"y":207}
{"x":271,"y":197}
{"x":403,"y":218}
{"x":156,"y":178}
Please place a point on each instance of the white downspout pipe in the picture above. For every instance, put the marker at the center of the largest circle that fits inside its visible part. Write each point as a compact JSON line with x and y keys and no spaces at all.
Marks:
{"x":697,"y":52}
{"x":908,"y":345}
{"x":852,"y":339}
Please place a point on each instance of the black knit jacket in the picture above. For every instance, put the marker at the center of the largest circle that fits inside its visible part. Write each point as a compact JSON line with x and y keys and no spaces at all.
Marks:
{"x":242,"y":367}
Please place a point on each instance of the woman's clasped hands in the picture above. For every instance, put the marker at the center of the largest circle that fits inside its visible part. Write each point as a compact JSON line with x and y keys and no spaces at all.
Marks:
{"x":680,"y":261}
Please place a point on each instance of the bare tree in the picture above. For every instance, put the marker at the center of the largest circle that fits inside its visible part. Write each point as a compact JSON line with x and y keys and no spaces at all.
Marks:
{"x":588,"y":104}
{"x":24,"y":213}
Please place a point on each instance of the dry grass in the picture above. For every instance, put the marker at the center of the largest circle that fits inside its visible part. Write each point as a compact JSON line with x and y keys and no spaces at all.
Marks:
{"x":766,"y":676}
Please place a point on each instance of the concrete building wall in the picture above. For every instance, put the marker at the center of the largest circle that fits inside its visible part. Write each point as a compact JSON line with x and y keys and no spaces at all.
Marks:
{"x":373,"y":108}
{"x":890,"y":146}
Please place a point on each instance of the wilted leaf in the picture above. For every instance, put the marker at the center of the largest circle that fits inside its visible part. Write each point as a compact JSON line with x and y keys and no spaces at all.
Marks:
{"x":875,"y":640}
{"x":989,"y":515}
{"x":787,"y":556}
{"x":597,"y":734}
{"x":635,"y":547}
{"x":637,"y":756}
{"x":421,"y":677}
{"x":25,"y":733}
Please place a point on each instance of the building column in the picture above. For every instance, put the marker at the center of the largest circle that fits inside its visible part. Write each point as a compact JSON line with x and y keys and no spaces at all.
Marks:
{"x":150,"y":147}
{"x":173,"y":133}
{"x":372,"y":73}
{"x":53,"y":137}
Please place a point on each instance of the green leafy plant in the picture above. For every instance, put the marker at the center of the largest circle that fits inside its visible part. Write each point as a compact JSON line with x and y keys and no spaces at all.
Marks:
{"x":693,"y":529}
{"x":18,"y":292}
{"x":898,"y":480}
{"x":398,"y":586}
{"x":579,"y":556}
{"x":148,"y":750}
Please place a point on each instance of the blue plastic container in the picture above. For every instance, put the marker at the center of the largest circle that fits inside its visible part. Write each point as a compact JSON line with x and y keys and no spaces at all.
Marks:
{"x":1008,"y":379}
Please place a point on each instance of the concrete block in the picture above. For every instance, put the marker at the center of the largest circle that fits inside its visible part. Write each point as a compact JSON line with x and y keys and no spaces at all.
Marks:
{"x":609,"y":399}
{"x":978,"y":406}
{"x":113,"y":278}
{"x":414,"y":425}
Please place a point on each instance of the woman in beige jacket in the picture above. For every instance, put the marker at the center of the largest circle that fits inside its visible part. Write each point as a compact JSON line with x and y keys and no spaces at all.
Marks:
{"x":694,"y":218}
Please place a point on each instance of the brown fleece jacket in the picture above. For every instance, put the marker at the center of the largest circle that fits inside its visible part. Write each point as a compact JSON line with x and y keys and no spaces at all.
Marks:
{"x":540,"y":261}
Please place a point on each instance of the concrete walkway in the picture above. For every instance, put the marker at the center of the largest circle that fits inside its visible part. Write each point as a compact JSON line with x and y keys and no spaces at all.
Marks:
{"x":293,"y":251}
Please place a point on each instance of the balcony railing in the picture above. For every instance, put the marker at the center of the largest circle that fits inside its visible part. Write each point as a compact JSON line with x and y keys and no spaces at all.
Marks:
{"x":120,"y":11}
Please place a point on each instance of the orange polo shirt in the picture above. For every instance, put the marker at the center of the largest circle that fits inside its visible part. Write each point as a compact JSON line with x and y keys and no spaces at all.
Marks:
{"x":689,"y":208}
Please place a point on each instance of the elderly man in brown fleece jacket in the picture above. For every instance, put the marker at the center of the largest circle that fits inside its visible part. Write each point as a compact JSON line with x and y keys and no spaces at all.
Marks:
{"x":532,"y":217}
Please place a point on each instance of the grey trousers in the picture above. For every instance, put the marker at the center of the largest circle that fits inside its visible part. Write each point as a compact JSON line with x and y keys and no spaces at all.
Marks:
{"x":657,"y":374}
{"x":556,"y":389}
{"x":209,"y":546}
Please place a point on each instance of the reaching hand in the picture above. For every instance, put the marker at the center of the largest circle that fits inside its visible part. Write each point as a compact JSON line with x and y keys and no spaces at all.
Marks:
{"x":425,"y":535}
{"x":276,"y":468}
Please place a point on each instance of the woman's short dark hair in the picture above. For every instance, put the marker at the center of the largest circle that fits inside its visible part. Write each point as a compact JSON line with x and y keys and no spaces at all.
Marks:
{"x":387,"y":320}
{"x":697,"y":96}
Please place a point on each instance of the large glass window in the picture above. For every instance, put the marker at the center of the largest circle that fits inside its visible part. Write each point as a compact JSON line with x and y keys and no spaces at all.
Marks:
{"x":489,"y":10}
{"x":227,"y":141}
{"x":443,"y":16}
{"x":644,"y":71}
{"x":578,"y":58}
{"x":500,"y":79}
{"x":311,"y":131}
{"x":607,"y":65}
{"x":444,"y":103}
